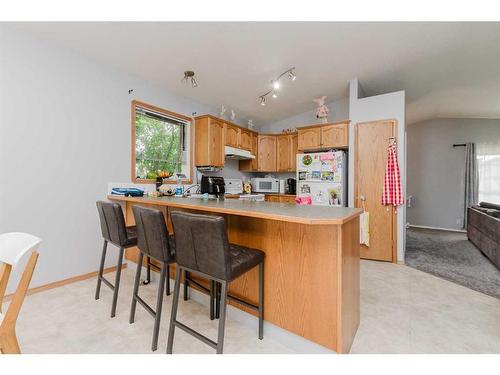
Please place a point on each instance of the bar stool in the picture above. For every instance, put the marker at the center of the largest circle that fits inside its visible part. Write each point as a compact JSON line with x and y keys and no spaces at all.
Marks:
{"x":114,"y":231}
{"x":202,"y":248}
{"x":153,"y":241}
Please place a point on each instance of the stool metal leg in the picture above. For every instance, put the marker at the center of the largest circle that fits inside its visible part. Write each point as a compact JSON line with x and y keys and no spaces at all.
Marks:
{"x":136,"y":287}
{"x":222,"y":320}
{"x":212,"y":298}
{"x":101,"y":269}
{"x":159,"y":302}
{"x":117,"y":281}
{"x":148,"y":271}
{"x":217,"y":300}
{"x":173,"y":315}
{"x":261,"y":300}
{"x":167,"y":281}
{"x":186,"y":285}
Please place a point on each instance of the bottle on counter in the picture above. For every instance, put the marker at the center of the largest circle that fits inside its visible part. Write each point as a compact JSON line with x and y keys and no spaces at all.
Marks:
{"x":179,"y":190}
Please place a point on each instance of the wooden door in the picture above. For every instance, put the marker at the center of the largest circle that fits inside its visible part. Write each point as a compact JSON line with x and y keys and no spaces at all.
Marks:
{"x":293,"y":151}
{"x":283,"y":153}
{"x":267,"y":153}
{"x":209,"y":142}
{"x":372,"y":140}
{"x":246,"y":140}
{"x":232,"y":135}
{"x":309,"y":139}
{"x":334,"y":136}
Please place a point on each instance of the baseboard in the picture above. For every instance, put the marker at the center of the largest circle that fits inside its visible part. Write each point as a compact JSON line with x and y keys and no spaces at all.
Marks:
{"x":67,"y":281}
{"x":437,"y":228}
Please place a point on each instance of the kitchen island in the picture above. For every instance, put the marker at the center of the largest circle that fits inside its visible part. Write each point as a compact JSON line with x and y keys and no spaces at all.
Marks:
{"x":311,"y":272}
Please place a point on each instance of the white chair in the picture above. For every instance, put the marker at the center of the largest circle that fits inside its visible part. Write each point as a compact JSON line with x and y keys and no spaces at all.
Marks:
{"x":12,"y":248}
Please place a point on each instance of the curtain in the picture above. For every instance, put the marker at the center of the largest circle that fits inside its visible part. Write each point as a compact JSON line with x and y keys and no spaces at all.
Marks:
{"x":488,"y":165}
{"x":471,"y":179}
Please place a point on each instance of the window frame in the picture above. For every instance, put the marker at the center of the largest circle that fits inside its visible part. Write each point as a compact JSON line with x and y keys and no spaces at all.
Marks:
{"x":189,"y":120}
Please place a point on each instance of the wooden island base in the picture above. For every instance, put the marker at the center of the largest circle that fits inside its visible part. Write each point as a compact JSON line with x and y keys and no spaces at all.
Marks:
{"x":311,"y":273}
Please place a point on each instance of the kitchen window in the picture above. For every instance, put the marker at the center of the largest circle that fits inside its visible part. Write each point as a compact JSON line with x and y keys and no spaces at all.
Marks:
{"x":161,"y":142}
{"x":488,"y":165}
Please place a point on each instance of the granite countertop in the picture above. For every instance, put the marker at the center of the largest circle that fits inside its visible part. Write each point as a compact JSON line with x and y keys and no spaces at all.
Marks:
{"x":304,"y":214}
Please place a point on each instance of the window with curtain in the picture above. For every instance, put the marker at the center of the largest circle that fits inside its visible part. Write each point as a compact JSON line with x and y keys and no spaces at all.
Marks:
{"x":488,"y":165}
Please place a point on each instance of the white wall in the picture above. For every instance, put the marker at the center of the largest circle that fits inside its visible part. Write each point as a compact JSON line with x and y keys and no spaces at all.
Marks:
{"x":436,"y":169}
{"x":339,"y":110}
{"x":372,"y":108}
{"x":64,"y":134}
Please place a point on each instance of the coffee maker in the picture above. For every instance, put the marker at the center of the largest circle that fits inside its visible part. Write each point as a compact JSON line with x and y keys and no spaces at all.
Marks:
{"x":213,"y":185}
{"x":291,"y":186}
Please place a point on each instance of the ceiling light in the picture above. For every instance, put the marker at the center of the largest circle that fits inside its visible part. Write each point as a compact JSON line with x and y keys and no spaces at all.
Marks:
{"x":275,"y":83}
{"x":189,"y":76}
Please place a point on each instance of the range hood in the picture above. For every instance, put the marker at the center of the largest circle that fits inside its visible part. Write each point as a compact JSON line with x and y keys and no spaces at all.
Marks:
{"x":237,"y":153}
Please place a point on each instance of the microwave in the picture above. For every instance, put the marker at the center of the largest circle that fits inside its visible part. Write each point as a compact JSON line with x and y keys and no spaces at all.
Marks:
{"x":265,"y":185}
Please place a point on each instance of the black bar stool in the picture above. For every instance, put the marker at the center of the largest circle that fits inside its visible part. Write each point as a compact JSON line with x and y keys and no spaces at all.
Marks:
{"x":113,"y":230}
{"x":202,"y":247}
{"x":154,"y":242}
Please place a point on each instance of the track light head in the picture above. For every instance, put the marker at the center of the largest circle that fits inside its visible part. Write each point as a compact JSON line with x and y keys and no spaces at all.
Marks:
{"x":292,"y":75}
{"x":276,"y":84}
{"x":275,"y":94}
{"x":262,"y":100}
{"x":189,"y":76}
{"x":193,"y":82}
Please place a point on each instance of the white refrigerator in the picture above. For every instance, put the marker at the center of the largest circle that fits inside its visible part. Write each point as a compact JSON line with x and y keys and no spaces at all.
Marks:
{"x":323,"y":177}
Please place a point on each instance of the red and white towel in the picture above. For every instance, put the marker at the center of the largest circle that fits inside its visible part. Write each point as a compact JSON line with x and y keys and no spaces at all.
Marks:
{"x":392,"y":194}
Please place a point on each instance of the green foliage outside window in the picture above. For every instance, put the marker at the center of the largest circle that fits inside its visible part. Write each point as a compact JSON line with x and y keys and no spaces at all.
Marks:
{"x":158,"y":146}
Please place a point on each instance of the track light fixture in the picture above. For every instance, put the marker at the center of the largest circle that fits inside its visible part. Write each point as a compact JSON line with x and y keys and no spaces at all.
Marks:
{"x":189,"y":76}
{"x":276,"y":85}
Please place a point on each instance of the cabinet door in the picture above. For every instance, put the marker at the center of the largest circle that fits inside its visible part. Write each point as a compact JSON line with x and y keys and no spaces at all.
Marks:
{"x":267,"y":153}
{"x":287,"y":199}
{"x":216,"y":144}
{"x":272,"y":198}
{"x":246,"y":140}
{"x":334,"y":136}
{"x":251,"y":165}
{"x":293,"y":138}
{"x":309,"y":139}
{"x":232,"y":135}
{"x":283,"y":153}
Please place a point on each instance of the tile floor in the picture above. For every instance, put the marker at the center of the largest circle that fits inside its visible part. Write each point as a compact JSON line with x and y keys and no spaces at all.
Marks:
{"x":403,"y":310}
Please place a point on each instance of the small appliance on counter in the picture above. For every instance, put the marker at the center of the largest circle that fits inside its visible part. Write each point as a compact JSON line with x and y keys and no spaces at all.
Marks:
{"x":291,"y":186}
{"x":214,"y":185}
{"x":234,"y":189}
{"x":282,"y":187}
{"x":265,"y":185}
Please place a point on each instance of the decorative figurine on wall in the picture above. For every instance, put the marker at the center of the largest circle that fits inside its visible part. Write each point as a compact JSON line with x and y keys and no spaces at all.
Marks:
{"x":322,"y":110}
{"x":250,"y":124}
{"x":233,"y":115}
{"x":222,"y":112}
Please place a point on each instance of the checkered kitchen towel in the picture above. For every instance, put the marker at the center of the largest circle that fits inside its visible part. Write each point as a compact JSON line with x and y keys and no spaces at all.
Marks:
{"x":392,"y":194}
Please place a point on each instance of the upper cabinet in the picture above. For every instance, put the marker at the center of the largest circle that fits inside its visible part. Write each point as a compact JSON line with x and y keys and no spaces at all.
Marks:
{"x":286,"y":151}
{"x":251,"y":165}
{"x":246,"y":140}
{"x":267,"y":153}
{"x":233,"y":135}
{"x":317,"y":137}
{"x":209,"y":142}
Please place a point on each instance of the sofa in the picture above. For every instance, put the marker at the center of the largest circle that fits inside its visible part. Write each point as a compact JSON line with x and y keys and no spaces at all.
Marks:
{"x":483,"y":229}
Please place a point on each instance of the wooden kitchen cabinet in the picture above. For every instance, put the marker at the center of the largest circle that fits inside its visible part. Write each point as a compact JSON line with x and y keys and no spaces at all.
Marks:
{"x":246,"y":140}
{"x":323,"y":137}
{"x":286,"y":151}
{"x":334,"y":136}
{"x":310,"y":138}
{"x":209,"y":142}
{"x":232,"y":135}
{"x":251,"y":165}
{"x":281,"y":198}
{"x":267,"y":153}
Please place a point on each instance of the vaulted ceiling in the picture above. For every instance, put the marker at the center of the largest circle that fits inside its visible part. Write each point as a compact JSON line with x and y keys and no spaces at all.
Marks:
{"x":446,"y":69}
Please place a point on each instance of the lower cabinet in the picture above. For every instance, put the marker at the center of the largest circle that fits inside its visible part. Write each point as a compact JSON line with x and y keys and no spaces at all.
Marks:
{"x":281,"y":198}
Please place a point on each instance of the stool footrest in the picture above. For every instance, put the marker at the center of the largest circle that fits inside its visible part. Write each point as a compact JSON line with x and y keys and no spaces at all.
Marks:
{"x":192,"y":332}
{"x":146,"y":306}
{"x":111,"y":286}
